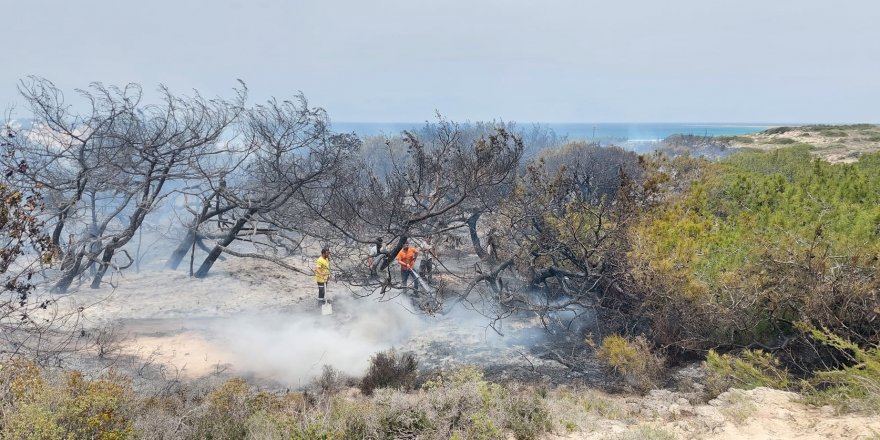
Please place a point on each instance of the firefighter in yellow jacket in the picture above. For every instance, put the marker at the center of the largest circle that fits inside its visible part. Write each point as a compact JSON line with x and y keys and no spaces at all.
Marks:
{"x":407,"y":259}
{"x":322,"y":273}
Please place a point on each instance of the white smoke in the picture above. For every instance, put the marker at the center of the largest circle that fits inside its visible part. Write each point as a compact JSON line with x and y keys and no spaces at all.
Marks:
{"x":292,"y":348}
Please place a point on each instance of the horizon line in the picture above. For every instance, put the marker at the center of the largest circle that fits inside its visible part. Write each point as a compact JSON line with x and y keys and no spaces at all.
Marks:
{"x":741,"y":124}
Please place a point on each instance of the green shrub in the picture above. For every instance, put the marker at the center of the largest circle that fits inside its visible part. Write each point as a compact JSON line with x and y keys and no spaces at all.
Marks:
{"x":404,"y":423}
{"x":738,"y":408}
{"x":735,"y":139}
{"x":315,"y":431}
{"x":35,"y":408}
{"x":782,"y":141}
{"x":633,"y":359}
{"x":834,"y":133}
{"x":528,"y":417}
{"x":604,"y":408}
{"x":751,"y":369}
{"x":778,"y":130}
{"x":762,"y":240}
{"x":353,"y":418}
{"x":32,"y":422}
{"x":473,"y":408}
{"x":459,"y":404}
{"x":226,"y":411}
{"x":855,"y":387}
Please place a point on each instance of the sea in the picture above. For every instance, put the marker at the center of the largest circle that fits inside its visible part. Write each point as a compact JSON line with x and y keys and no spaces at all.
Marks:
{"x":604,"y":132}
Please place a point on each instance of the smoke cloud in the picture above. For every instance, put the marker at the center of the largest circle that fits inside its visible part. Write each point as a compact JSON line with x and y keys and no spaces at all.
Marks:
{"x":292,"y":348}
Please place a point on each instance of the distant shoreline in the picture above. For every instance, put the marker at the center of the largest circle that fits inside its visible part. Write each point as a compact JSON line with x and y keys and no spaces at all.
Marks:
{"x":618,"y":132}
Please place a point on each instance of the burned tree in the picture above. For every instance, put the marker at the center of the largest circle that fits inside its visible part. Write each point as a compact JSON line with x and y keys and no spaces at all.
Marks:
{"x":25,"y":250}
{"x":423,"y":185}
{"x":69,"y":157}
{"x":559,"y":242}
{"x":292,"y":150}
{"x":106,"y":171}
{"x":205,"y":203}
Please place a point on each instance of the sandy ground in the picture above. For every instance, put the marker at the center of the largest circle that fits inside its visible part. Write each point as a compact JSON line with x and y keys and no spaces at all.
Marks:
{"x":255,"y":320}
{"x":755,"y":414}
{"x":841,"y":144}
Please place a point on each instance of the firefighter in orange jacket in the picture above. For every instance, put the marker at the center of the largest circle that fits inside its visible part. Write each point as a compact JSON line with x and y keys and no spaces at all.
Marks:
{"x":407,"y":259}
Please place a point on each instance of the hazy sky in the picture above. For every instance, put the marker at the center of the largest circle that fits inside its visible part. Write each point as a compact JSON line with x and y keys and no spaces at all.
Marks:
{"x":552,"y":61}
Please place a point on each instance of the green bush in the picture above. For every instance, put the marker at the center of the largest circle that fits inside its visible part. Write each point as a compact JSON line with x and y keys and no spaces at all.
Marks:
{"x":528,"y":417}
{"x":32,"y":407}
{"x":751,"y":369}
{"x":474,"y":408}
{"x":855,"y":387}
{"x":632,"y":359}
{"x":778,"y":130}
{"x":834,"y":133}
{"x":459,"y":404}
{"x":407,"y":422}
{"x":226,"y":412}
{"x":735,"y":139}
{"x":762,"y":240}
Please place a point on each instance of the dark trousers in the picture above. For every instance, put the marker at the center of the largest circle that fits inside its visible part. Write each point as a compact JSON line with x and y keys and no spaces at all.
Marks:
{"x":426,"y":267}
{"x":404,"y":275}
{"x":321,"y":287}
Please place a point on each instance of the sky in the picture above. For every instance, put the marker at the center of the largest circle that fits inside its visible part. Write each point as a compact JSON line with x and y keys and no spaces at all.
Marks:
{"x":514,"y":60}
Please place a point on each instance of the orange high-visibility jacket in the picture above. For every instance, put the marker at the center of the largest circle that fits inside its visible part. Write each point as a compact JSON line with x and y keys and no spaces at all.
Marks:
{"x":407,"y":259}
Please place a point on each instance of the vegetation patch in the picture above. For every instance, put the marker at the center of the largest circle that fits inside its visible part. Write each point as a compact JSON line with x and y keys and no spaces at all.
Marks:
{"x":389,"y":369}
{"x":778,"y":130}
{"x":782,"y":141}
{"x":633,"y":360}
{"x":856,"y":386}
{"x":764,"y":240}
{"x":735,"y":139}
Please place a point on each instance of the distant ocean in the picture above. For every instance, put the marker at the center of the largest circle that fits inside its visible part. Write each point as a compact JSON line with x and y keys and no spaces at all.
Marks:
{"x":619,"y":132}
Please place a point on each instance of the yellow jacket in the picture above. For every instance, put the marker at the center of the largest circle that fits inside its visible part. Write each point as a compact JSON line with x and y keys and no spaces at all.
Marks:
{"x":322,"y":270}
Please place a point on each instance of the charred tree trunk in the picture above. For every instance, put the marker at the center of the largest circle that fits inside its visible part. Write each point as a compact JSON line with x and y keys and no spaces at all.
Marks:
{"x":95,"y":246}
{"x":189,"y":244}
{"x":193,"y":237}
{"x":475,"y":239}
{"x":182,"y":249}
{"x":105,"y":263}
{"x":218,"y":249}
{"x":553,"y":272}
{"x":59,"y":227}
{"x":65,"y":213}
{"x":70,"y":274}
{"x":392,"y":254}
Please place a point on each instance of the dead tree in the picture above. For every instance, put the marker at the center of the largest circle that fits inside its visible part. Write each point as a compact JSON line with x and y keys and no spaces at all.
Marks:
{"x":107,"y":170}
{"x":291,"y":150}
{"x":70,"y":156}
{"x":207,"y":220}
{"x":422,"y":184}
{"x":31,"y":325}
{"x":565,"y":230}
